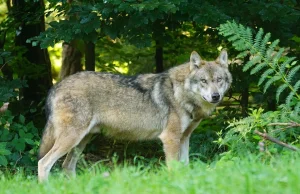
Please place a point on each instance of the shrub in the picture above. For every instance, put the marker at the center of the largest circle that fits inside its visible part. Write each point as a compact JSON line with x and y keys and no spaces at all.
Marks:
{"x":275,"y":68}
{"x":19,"y":139}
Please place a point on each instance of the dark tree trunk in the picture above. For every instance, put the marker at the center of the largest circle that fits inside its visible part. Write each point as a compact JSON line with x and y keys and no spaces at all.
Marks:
{"x":2,"y":38}
{"x":30,"y":16}
{"x":90,"y":56}
{"x":245,"y":101}
{"x":159,"y":57}
{"x":272,"y":105}
{"x":71,"y":60}
{"x":158,"y":34}
{"x":5,"y":69}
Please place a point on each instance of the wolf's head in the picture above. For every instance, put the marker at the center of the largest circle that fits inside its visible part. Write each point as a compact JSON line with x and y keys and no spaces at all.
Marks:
{"x":208,"y":80}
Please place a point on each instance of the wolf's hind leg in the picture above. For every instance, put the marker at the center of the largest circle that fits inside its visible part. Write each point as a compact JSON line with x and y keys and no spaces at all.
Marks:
{"x":70,"y":161}
{"x":63,"y":144}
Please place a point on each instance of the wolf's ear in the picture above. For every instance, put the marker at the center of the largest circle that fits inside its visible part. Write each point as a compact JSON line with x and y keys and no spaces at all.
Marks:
{"x":223,"y":58}
{"x":195,"y":60}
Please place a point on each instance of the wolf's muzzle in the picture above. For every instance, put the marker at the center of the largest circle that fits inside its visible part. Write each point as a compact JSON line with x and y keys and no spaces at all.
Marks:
{"x":215,"y":97}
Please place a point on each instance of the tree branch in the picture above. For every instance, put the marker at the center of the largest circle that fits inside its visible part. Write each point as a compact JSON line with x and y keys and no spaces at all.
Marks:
{"x":291,"y":124}
{"x":266,"y":136}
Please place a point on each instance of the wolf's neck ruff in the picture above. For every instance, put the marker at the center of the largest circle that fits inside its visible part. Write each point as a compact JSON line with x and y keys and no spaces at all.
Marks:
{"x":168,"y":106}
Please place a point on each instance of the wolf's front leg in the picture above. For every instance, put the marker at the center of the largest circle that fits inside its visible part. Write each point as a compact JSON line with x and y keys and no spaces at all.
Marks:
{"x":185,"y":142}
{"x":184,"y":150}
{"x":170,"y":138}
{"x":171,"y":144}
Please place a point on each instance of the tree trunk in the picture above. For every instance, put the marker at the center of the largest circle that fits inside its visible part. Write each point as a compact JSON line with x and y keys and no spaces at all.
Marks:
{"x":39,"y":82}
{"x":158,"y":32}
{"x":5,"y":69}
{"x":159,"y":57}
{"x":71,"y":55}
{"x":272,"y":105}
{"x":71,"y":60}
{"x":245,"y":101}
{"x":90,"y":56}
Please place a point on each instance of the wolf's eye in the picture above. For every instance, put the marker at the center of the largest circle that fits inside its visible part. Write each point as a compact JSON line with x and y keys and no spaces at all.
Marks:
{"x":203,"y":81}
{"x":219,"y":79}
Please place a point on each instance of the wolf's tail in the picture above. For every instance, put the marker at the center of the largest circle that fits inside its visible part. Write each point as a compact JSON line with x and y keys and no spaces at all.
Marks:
{"x":48,"y":140}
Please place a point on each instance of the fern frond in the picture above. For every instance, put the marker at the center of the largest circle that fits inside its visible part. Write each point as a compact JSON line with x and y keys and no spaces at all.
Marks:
{"x":284,"y":65}
{"x":276,"y":58}
{"x":271,"y":51}
{"x":265,"y":75}
{"x":237,"y":34}
{"x":249,"y":36}
{"x":233,"y":38}
{"x":243,"y":54}
{"x":279,"y":90}
{"x":256,"y":59}
{"x":292,"y":72}
{"x":293,"y":93}
{"x":271,"y":81}
{"x":267,"y":58}
{"x":264,"y":42}
{"x":240,"y":44}
{"x":246,"y":35}
{"x":289,"y":98}
{"x":228,"y":28}
{"x":257,"y":41}
{"x":297,"y":108}
{"x":271,"y":48}
{"x":296,"y":86}
{"x":258,"y":67}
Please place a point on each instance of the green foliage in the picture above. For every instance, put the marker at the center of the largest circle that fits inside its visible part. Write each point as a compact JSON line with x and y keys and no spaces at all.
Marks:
{"x":203,"y":146}
{"x":8,"y":89}
{"x":266,"y":58}
{"x":4,"y":55}
{"x":88,"y":21}
{"x":138,"y":22}
{"x":269,"y":60}
{"x":19,"y":139}
{"x":19,"y":142}
{"x":241,"y":139}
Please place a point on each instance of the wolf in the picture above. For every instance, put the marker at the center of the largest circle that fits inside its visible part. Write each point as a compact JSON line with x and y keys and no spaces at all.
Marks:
{"x":168,"y":106}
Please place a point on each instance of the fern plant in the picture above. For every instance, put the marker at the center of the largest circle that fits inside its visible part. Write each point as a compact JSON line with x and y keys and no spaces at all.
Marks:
{"x":267,"y":59}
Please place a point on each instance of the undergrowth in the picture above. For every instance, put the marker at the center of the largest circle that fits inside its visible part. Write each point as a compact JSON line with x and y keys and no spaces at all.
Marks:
{"x":264,"y":57}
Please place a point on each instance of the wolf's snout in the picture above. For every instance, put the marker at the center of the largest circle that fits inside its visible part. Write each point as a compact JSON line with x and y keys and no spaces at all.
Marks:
{"x":215,"y":96}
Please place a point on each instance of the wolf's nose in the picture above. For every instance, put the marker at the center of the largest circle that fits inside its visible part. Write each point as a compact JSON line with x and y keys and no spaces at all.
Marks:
{"x":215,"y":96}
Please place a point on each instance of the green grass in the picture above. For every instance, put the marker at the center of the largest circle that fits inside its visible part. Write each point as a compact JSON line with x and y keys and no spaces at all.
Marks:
{"x":235,"y":175}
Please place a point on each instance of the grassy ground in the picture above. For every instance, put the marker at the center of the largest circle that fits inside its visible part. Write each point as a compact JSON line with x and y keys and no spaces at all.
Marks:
{"x":235,"y":175}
